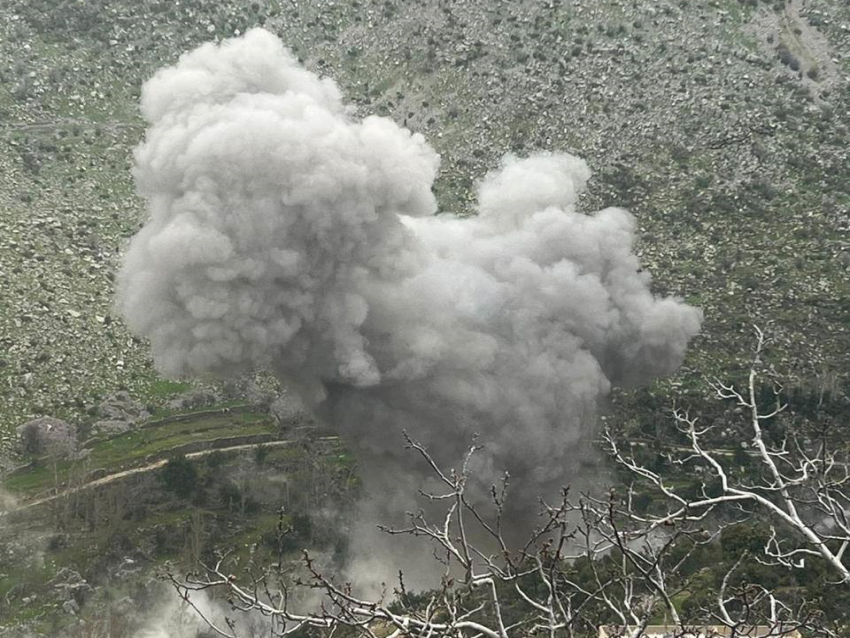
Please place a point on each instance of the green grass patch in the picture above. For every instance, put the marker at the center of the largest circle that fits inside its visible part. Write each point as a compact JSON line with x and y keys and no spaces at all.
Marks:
{"x":34,"y":578}
{"x":133,"y":448}
{"x":165,"y":388}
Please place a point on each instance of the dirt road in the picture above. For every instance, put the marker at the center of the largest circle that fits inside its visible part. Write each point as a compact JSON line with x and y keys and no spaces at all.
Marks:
{"x":117,"y":476}
{"x":814,"y":53}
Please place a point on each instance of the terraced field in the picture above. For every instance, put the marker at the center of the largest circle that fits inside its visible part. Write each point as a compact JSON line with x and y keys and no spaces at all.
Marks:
{"x":150,"y":444}
{"x":113,"y":518}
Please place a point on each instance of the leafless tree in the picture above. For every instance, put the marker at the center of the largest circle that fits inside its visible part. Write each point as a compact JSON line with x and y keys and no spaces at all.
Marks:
{"x":468,"y":602}
{"x":802,"y":486}
{"x":634,"y":574}
{"x":591,"y":560}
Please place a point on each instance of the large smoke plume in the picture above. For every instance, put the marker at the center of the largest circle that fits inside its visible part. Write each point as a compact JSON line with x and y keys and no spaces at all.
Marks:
{"x":287,"y":234}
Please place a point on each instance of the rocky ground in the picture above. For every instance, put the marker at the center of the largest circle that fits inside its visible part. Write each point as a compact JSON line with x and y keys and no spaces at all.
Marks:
{"x":723,"y":125}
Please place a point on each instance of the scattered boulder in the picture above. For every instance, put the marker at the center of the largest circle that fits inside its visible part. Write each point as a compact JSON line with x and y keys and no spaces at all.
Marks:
{"x":70,"y":586}
{"x":193,"y":400}
{"x":124,"y":606}
{"x":234,"y":388}
{"x":258,"y":396}
{"x":47,"y":435}
{"x":128,"y":568}
{"x":80,"y":454}
{"x":7,"y":460}
{"x":121,"y":407}
{"x":7,"y":501}
{"x":250,"y":390}
{"x":288,"y":410}
{"x":109,"y":427}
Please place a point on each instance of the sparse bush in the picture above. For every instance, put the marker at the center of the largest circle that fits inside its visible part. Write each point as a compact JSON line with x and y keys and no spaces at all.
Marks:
{"x":215,"y":459}
{"x":30,"y":440}
{"x":260,"y":454}
{"x":180,"y":476}
{"x":200,"y":498}
{"x":251,"y":506}
{"x":57,"y":542}
{"x":230,"y":494}
{"x":787,"y":58}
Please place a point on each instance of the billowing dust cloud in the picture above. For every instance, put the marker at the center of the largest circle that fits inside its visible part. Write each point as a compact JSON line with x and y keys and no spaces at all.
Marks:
{"x":285,"y":233}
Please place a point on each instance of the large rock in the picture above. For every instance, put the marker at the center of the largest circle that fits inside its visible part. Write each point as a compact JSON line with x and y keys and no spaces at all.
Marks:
{"x":121,"y":407}
{"x":193,"y":400}
{"x":109,"y":427}
{"x":288,"y":410}
{"x":71,"y":586}
{"x":46,"y":435}
{"x":258,"y":396}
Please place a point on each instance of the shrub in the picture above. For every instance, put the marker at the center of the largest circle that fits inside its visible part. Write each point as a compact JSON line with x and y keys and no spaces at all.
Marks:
{"x":179,"y":476}
{"x":230,"y":494}
{"x":260,"y":454}
{"x":736,"y":539}
{"x":215,"y":459}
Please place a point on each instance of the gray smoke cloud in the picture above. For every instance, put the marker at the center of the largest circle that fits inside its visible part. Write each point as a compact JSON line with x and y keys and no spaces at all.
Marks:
{"x":285,"y":233}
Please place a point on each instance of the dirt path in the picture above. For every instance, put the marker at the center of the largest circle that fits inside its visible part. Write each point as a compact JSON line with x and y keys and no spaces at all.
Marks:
{"x":117,"y":476}
{"x":804,"y":41}
{"x":811,"y":44}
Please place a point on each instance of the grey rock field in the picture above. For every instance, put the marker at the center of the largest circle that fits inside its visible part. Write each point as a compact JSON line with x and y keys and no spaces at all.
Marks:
{"x":722,"y":125}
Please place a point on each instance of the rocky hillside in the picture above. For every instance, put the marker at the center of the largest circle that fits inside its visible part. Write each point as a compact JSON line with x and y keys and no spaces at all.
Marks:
{"x":722,"y":124}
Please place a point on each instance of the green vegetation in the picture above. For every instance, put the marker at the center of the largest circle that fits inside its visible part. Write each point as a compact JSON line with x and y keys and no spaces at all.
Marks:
{"x":179,"y":476}
{"x":164,"y":388}
{"x":142,"y":446}
{"x":180,"y":512}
